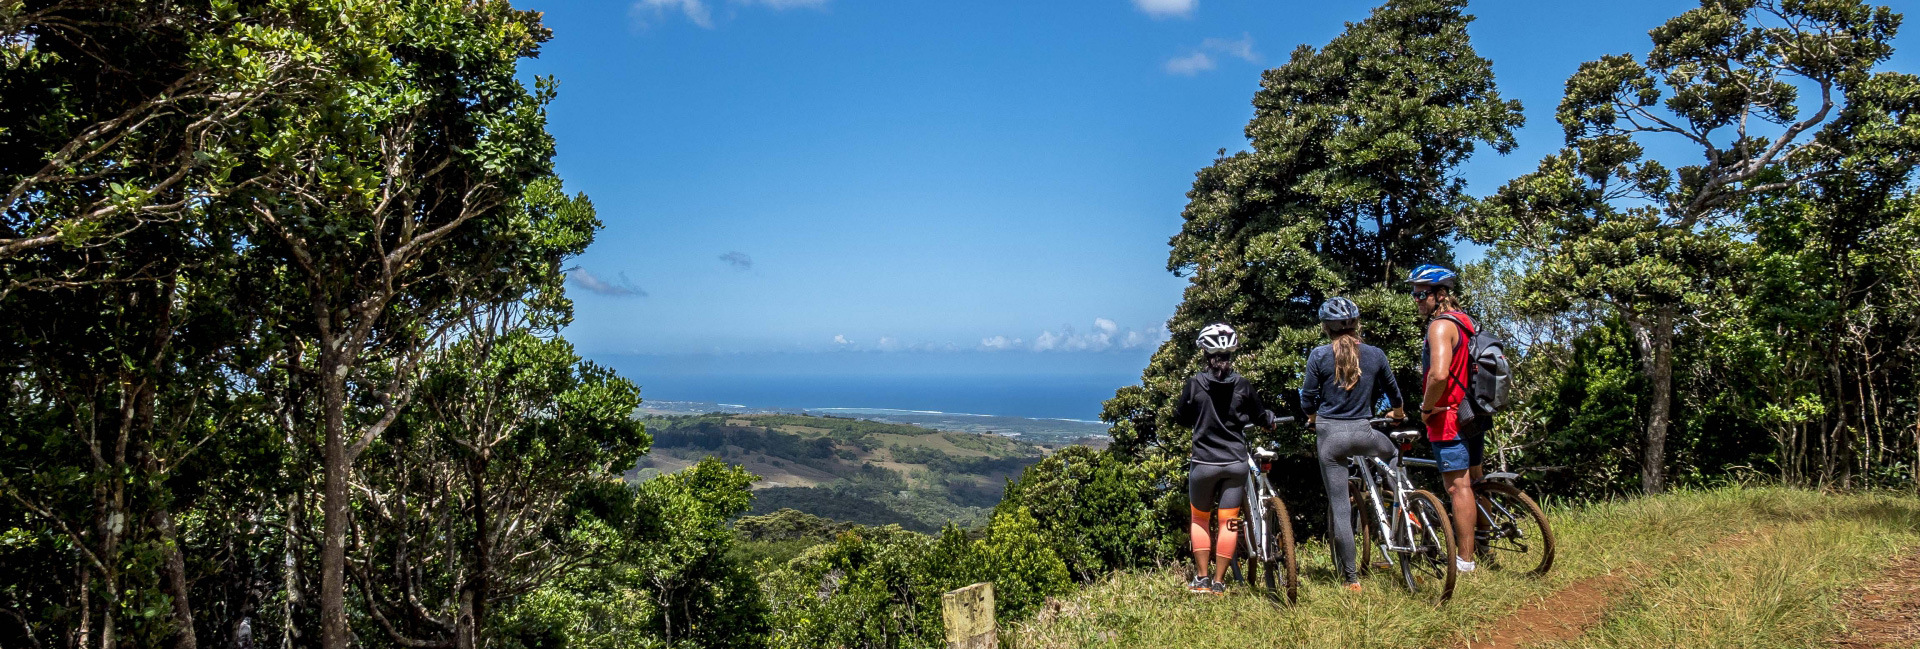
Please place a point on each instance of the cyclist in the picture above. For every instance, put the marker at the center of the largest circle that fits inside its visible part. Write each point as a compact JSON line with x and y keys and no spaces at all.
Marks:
{"x":1444,"y":370}
{"x":1344,"y":379}
{"x":1219,"y":404}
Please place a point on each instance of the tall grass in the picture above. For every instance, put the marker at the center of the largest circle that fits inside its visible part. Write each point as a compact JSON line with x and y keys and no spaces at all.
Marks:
{"x":1727,"y":567}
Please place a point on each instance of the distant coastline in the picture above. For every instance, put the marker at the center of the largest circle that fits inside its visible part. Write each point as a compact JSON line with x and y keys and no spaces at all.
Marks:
{"x":1039,"y":430}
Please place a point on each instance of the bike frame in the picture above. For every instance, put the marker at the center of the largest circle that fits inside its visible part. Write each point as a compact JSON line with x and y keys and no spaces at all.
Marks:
{"x":1396,"y":531}
{"x":1479,"y":502}
{"x":1254,"y":514}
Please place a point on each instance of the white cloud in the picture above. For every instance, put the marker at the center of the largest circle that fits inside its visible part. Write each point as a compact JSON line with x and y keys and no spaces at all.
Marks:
{"x":1241,"y":48}
{"x":578,"y":276}
{"x":695,"y":10}
{"x":1190,"y":64}
{"x":888,"y":344}
{"x":1000,"y":343}
{"x":1201,"y":59}
{"x":1047,"y":341}
{"x":1136,"y":339}
{"x":698,"y":13}
{"x":840,"y":339}
{"x":1167,"y":8}
{"x":1105,"y":335}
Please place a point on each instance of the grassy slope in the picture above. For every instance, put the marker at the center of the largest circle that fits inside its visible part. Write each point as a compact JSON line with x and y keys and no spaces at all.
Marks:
{"x":1691,"y":582}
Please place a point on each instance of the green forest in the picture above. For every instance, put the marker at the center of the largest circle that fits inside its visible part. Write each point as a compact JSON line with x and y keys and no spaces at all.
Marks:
{"x":282,"y":287}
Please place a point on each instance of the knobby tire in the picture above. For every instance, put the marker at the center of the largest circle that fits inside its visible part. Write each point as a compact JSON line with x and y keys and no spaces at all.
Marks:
{"x":1434,"y":564}
{"x":1540,"y":545}
{"x":1283,"y":573}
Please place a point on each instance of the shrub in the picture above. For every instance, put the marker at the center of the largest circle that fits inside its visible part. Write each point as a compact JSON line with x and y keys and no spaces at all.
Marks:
{"x":1102,"y":512}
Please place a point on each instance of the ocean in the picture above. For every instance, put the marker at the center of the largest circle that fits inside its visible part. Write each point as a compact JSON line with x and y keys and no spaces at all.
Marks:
{"x":1032,"y":397}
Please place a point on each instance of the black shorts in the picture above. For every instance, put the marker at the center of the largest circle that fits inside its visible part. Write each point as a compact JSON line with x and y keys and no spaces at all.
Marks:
{"x":1216,"y":486}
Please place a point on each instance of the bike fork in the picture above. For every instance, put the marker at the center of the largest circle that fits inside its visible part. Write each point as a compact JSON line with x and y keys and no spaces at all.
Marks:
{"x":1379,"y":515}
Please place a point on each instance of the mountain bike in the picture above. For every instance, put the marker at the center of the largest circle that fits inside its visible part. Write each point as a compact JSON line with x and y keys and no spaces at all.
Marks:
{"x":1267,"y":539}
{"x":1408,"y":526}
{"x":1516,"y":533}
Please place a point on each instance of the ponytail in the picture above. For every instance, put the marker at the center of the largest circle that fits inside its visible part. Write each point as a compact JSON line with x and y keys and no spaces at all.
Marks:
{"x":1346,"y":356}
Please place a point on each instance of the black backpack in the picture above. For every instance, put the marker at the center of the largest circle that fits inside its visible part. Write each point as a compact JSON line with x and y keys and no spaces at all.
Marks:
{"x":1487,"y":375}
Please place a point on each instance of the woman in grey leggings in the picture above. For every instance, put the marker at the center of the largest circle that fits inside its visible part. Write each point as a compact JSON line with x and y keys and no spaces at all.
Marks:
{"x":1344,"y":379}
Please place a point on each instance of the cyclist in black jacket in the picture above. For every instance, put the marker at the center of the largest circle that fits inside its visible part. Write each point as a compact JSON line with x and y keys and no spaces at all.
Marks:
{"x":1219,"y":404}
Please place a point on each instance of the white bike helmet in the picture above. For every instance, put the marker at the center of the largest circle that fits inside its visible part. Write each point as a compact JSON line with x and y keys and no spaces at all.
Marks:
{"x":1218,"y":337}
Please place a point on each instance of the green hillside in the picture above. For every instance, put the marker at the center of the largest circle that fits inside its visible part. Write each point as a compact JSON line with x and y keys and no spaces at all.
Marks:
{"x":1722,"y":568}
{"x":852,"y":470}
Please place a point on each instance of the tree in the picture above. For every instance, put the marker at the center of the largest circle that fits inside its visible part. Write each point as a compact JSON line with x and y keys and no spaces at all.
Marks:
{"x":114,"y":115}
{"x":115,"y":280}
{"x":1350,"y":182}
{"x":1102,"y":512}
{"x":399,"y":189}
{"x":1816,"y":337}
{"x":1601,"y":223}
{"x":466,"y":499}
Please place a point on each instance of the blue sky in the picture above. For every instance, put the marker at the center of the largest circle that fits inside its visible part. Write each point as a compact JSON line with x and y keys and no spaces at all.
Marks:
{"x":786,"y":177}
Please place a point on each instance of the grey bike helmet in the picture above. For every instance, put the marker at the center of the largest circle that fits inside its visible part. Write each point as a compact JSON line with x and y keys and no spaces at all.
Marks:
{"x":1339,"y":309}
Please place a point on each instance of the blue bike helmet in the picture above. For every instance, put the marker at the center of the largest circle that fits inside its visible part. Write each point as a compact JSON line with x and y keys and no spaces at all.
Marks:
{"x":1433,"y":274}
{"x":1339,"y":309}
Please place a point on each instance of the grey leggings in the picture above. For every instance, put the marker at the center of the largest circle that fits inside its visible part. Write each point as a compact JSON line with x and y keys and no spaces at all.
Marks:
{"x":1341,"y":439}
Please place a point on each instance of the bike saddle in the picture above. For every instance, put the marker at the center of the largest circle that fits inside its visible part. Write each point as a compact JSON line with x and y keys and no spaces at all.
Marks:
{"x":1497,"y":476}
{"x":1265,"y":454}
{"x":1403,"y":436}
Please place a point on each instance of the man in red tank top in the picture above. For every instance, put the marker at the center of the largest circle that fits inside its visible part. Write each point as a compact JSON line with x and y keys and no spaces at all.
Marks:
{"x":1444,"y":369}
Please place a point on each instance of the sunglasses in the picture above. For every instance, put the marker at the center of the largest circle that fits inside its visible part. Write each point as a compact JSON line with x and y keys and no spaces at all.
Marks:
{"x":1421,"y":294}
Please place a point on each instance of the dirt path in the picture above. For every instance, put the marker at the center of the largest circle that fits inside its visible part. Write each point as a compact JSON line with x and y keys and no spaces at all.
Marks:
{"x":1570,"y":611}
{"x":1886,"y":611}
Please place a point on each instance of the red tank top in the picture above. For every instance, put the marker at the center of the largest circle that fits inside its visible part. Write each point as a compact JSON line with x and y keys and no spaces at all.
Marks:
{"x":1443,"y":424}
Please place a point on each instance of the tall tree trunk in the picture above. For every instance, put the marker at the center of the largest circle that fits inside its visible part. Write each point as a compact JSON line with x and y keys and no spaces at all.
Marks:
{"x":1656,"y":361}
{"x":480,"y":585}
{"x":333,"y":502}
{"x":176,"y":574}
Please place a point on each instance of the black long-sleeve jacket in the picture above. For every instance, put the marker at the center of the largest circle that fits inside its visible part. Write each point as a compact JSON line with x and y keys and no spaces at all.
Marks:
{"x":1219,"y":410}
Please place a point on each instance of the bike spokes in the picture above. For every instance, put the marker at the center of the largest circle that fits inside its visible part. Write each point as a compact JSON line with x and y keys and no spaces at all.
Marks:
{"x":1517,"y":536}
{"x":1428,"y":570}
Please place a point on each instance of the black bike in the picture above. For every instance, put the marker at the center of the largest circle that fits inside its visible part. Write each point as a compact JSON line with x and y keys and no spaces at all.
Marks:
{"x":1512,"y":530}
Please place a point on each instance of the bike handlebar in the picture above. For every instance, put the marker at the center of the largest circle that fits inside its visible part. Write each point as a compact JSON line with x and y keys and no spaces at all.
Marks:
{"x":1389,"y":423}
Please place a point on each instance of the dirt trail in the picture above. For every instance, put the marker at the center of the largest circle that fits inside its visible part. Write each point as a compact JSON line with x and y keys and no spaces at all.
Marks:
{"x":1570,"y":611}
{"x":1886,"y":611}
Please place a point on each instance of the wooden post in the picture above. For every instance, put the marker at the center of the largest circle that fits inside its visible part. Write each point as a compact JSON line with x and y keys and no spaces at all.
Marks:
{"x":968,"y":613}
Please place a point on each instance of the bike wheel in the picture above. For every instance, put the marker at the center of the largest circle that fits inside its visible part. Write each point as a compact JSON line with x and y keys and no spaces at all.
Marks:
{"x":1517,"y":534}
{"x":1361,"y":513}
{"x":1429,"y":569}
{"x":1282,"y":571}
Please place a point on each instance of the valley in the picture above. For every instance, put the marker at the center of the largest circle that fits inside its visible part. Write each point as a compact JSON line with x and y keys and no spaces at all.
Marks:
{"x":852,"y":470}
